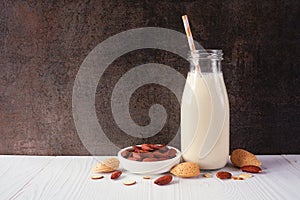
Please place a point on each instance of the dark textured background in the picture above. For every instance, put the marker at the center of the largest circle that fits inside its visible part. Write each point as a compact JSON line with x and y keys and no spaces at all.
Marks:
{"x":43,"y":44}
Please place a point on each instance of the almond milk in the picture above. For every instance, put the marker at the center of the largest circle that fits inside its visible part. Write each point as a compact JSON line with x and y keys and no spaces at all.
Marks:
{"x":205,"y":120}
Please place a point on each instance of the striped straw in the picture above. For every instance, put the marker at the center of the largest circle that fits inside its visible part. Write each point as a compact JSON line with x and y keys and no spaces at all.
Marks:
{"x":188,"y":32}
{"x":189,"y":36}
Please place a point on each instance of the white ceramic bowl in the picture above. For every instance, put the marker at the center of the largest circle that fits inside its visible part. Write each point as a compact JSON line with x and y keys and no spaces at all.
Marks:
{"x":155,"y":167}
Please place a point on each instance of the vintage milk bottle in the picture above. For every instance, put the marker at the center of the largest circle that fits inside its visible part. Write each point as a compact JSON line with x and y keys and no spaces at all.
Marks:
{"x":205,"y":112}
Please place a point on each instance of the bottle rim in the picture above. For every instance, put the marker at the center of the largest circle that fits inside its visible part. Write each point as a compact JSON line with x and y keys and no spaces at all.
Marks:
{"x":212,"y":54}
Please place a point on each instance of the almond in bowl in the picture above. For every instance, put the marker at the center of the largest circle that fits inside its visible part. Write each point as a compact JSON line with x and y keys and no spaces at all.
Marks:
{"x":149,"y":158}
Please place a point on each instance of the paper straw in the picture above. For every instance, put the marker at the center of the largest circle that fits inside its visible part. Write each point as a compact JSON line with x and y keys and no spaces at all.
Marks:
{"x":189,"y":36}
{"x":188,"y":32}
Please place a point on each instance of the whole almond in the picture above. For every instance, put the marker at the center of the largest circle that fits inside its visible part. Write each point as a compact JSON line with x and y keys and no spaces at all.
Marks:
{"x":157,"y":146}
{"x":130,"y":149}
{"x":251,"y":169}
{"x":150,"y":159}
{"x":186,"y":170}
{"x":241,"y":158}
{"x":116,"y":174}
{"x":125,"y":154}
{"x":137,"y":155}
{"x":146,"y":147}
{"x":107,"y":165}
{"x":223,"y":175}
{"x":136,"y":148}
{"x":147,"y":155}
{"x":132,"y":158}
{"x":163,"y":180}
{"x":171,"y":153}
{"x":162,"y":158}
{"x":158,"y":154}
{"x":164,"y":149}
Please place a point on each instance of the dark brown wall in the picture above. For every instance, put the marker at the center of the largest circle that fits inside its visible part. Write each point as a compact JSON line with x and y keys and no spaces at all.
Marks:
{"x":43,"y":44}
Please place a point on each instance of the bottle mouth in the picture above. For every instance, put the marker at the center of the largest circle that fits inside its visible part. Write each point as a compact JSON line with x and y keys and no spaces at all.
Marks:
{"x":211,"y":54}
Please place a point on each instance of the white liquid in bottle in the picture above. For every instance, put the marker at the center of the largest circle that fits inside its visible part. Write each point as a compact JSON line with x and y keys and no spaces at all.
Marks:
{"x":205,"y":120}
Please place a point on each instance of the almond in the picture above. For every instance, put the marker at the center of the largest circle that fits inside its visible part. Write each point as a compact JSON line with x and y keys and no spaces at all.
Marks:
{"x":241,"y":157}
{"x":245,"y":176}
{"x":207,"y":175}
{"x":223,"y":175}
{"x":139,"y":152}
{"x":108,"y":165}
{"x":146,"y":147}
{"x":130,"y":150}
{"x":157,"y":146}
{"x":125,"y":154}
{"x":237,"y":178}
{"x":137,"y":155}
{"x":136,"y":148}
{"x":95,"y":177}
{"x":150,"y":159}
{"x":129,"y":182}
{"x":147,"y":155}
{"x":163,"y":180}
{"x":186,"y":170}
{"x":251,"y":169}
{"x":163,"y":158}
{"x":158,"y":154}
{"x":132,"y":158}
{"x":163,"y":149}
{"x":116,"y":174}
{"x":171,"y":153}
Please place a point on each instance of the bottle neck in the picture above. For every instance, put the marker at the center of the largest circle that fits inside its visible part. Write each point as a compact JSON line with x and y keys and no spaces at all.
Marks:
{"x":205,"y":61}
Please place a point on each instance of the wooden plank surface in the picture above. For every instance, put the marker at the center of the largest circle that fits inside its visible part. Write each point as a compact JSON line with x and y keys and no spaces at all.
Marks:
{"x":294,"y":160}
{"x":18,"y":171}
{"x":29,"y":177}
{"x":64,"y":179}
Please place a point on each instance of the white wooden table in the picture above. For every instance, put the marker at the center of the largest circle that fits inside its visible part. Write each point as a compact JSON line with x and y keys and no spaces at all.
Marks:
{"x":36,"y":177}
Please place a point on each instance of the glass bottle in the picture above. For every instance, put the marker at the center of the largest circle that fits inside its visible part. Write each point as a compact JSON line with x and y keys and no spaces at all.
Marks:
{"x":205,"y":112}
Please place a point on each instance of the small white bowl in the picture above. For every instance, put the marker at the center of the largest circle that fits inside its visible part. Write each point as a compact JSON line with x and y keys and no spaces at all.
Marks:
{"x":155,"y":167}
